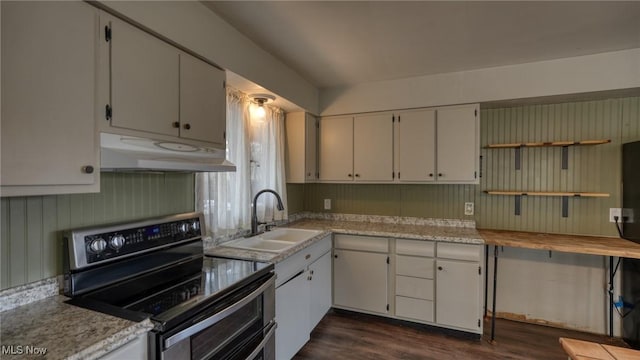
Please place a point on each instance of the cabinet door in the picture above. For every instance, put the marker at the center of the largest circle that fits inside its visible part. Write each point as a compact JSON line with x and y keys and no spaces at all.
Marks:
{"x":458,"y":294}
{"x":458,"y":142}
{"x":336,"y":149}
{"x":320,"y":275}
{"x":310,"y":148}
{"x":202,"y":101}
{"x":144,"y":81}
{"x":416,"y":146}
{"x":292,"y":316}
{"x":48,"y":98}
{"x":373,"y":148}
{"x":360,"y":280}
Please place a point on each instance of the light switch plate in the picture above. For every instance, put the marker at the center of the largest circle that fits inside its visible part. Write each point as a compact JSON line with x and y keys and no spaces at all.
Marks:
{"x":468,"y":208}
{"x":327,"y":204}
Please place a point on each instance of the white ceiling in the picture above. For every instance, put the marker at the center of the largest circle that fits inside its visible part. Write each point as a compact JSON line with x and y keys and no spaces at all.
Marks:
{"x":341,"y":43}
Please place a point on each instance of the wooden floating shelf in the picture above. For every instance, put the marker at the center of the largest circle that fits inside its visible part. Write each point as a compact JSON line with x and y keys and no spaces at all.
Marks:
{"x":563,"y":194}
{"x":546,"y":193}
{"x":548,"y":143}
{"x":563,"y":144}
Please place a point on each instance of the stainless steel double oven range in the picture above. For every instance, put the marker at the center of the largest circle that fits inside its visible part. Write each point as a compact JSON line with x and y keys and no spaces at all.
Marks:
{"x":202,"y":307}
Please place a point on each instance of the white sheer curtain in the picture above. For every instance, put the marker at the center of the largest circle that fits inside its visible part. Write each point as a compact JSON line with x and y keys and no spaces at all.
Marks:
{"x":256,"y":147}
{"x":267,"y":162}
{"x":225,"y":197}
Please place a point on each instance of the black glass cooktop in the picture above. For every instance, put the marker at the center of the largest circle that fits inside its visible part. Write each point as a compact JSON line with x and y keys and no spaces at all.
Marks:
{"x":177,"y":292}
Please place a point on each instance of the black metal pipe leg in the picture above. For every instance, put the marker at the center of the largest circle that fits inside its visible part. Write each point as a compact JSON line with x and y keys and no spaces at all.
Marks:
{"x":493,"y":309}
{"x":486,"y":278}
{"x":611,"y":305}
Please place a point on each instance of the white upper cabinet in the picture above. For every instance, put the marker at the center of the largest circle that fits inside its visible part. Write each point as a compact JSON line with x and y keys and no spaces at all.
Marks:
{"x":156,"y":88}
{"x":458,"y":144}
{"x":435,"y":145}
{"x":336,"y":149}
{"x":202,"y":101}
{"x":301,"y":147}
{"x":373,"y":148}
{"x":145,"y":81}
{"x":356,"y":149}
{"x":49,"y":60}
{"x":416,"y":156}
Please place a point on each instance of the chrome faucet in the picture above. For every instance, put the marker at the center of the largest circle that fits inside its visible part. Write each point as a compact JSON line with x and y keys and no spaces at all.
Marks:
{"x":254,"y":217}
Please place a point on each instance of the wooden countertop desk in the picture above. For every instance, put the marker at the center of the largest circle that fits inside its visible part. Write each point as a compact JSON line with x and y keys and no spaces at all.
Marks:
{"x":593,"y":245}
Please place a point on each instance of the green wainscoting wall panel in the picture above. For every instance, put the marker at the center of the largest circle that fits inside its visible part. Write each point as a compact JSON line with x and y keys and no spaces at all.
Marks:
{"x":591,"y":169}
{"x":295,"y":198}
{"x":31,"y":246}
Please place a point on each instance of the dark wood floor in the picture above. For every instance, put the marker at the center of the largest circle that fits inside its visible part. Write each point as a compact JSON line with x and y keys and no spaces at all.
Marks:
{"x":346,"y":335}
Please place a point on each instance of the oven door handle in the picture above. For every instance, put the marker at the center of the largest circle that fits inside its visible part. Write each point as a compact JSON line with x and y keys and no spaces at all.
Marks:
{"x":264,"y":341}
{"x":196,"y":328}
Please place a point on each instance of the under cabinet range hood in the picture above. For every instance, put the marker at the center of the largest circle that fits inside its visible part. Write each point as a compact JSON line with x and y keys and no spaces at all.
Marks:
{"x":131,"y":153}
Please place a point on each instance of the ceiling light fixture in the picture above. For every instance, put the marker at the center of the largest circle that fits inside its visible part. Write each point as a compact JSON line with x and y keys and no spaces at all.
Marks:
{"x":261,"y":99}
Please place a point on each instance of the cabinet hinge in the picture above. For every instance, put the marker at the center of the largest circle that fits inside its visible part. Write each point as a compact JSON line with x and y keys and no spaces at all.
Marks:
{"x":387,"y":260}
{"x":398,"y":175}
{"x":393,"y":175}
{"x":479,"y":270}
{"x":393,"y":118}
{"x":107,"y":33}
{"x":108,"y":112}
{"x":224,"y":84}
{"x":317,"y":124}
{"x":475,"y":174}
{"x":224,"y":135}
{"x":387,"y":307}
{"x":478,"y":322}
{"x":398,"y":118}
{"x":475,"y":112}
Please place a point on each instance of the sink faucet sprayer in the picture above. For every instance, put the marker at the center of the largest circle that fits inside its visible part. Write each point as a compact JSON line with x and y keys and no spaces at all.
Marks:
{"x":254,"y":217}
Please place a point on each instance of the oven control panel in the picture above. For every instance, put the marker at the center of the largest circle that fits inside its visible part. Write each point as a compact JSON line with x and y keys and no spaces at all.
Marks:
{"x":95,"y":245}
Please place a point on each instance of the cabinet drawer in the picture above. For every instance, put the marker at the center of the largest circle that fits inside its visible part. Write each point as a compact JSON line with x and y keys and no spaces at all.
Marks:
{"x":415,"y":247}
{"x":414,"y":266}
{"x":459,"y":251}
{"x":361,"y":243}
{"x":414,"y":308}
{"x":414,"y":287}
{"x":300,"y":260}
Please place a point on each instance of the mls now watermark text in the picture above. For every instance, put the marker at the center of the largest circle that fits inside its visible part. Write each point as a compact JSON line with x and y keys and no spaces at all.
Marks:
{"x":23,"y":350}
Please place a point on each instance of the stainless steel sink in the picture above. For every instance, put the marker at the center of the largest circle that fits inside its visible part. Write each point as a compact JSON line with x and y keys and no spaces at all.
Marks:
{"x":275,"y":241}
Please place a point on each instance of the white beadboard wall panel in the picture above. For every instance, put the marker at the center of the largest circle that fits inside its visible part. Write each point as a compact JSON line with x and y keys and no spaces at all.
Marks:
{"x":31,"y":244}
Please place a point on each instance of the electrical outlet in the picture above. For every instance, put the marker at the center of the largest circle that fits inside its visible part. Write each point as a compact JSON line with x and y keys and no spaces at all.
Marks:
{"x":615,"y":212}
{"x":327,"y":204}
{"x":468,"y":208}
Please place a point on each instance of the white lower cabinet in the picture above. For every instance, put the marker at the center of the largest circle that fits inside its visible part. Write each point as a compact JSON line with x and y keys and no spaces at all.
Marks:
{"x":292,"y":316}
{"x":303,"y":296}
{"x":320,"y":276}
{"x":437,"y":283}
{"x":414,"y":291}
{"x":135,"y":349}
{"x":360,"y":273}
{"x":459,"y":286}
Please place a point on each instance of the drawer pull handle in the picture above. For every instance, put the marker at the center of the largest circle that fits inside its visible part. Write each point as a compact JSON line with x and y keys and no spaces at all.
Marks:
{"x":307,"y":257}
{"x":440,"y":268}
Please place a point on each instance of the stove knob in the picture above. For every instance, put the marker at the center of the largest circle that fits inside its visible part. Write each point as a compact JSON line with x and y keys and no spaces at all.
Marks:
{"x":195,"y":225}
{"x":98,"y":245}
{"x":183,"y":228}
{"x":117,"y":242}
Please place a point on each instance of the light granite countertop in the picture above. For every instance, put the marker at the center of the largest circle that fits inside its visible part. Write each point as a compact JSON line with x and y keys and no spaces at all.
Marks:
{"x":390,"y":227}
{"x":52,"y":329}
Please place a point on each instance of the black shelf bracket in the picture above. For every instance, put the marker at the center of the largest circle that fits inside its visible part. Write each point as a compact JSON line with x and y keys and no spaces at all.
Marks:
{"x":565,"y":206}
{"x":565,"y":157}
{"x":518,"y":205}
{"x":518,"y":156}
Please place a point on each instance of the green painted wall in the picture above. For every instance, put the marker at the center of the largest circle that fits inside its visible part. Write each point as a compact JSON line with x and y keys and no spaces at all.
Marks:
{"x":591,"y":168}
{"x":30,"y":233}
